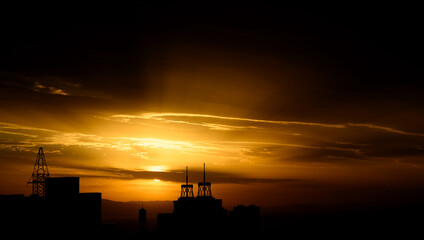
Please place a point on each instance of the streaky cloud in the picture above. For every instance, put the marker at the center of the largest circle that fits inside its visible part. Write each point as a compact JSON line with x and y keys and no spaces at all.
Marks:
{"x":14,"y":126}
{"x":176,"y":175}
{"x":387,"y":129}
{"x":162,"y":116}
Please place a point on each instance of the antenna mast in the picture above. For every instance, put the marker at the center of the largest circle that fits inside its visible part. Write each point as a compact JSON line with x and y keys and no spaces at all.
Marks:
{"x":204,"y":188}
{"x":187,"y":189}
{"x":39,"y":175}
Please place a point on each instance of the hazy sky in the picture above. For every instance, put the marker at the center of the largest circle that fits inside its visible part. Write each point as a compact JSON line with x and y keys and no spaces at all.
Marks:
{"x":284,"y":106}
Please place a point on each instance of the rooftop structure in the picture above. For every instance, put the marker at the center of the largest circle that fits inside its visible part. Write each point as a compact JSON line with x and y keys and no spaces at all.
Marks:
{"x":187,"y":189}
{"x":204,"y":188}
{"x":39,"y":175}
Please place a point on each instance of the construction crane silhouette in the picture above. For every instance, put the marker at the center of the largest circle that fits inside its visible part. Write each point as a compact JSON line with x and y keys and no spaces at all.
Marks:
{"x":39,"y":175}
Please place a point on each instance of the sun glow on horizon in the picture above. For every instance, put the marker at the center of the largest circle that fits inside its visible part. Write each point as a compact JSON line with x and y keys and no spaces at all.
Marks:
{"x":157,"y":169}
{"x":144,"y":157}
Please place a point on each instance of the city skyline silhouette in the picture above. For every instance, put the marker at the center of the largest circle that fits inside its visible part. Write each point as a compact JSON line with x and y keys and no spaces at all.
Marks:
{"x":314,"y":115}
{"x":59,"y":210}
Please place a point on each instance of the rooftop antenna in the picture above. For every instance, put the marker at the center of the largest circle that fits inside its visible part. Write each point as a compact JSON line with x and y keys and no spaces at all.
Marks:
{"x":39,"y":175}
{"x":187,"y":189}
{"x":204,"y":188}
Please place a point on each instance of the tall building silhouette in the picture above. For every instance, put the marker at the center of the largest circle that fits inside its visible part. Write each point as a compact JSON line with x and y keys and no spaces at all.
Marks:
{"x":142,"y":217}
{"x":204,"y":215}
{"x":204,"y":209}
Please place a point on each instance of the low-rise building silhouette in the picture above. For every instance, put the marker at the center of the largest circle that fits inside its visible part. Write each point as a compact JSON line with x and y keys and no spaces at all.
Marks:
{"x":63,"y":212}
{"x":245,"y":219}
{"x":55,"y":209}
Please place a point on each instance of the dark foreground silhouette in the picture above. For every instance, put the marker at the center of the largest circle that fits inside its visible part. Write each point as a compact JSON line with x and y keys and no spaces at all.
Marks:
{"x":19,"y":218}
{"x":65,"y":213}
{"x":62,"y":212}
{"x":204,"y":216}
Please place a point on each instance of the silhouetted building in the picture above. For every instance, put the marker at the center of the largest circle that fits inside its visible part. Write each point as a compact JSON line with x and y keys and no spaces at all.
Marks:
{"x":90,"y":205}
{"x":197,"y":212}
{"x":165,"y":222}
{"x":200,"y":212}
{"x":204,"y":215}
{"x":64,"y":212}
{"x":245,"y":219}
{"x":142,"y":221}
{"x":62,"y":188}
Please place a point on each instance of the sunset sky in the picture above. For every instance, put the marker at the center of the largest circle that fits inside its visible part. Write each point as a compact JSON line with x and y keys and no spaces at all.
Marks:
{"x":284,"y":106}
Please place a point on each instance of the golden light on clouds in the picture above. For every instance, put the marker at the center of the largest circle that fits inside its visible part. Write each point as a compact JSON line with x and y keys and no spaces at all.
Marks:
{"x":156,"y":169}
{"x":284,"y":106}
{"x":240,"y":151}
